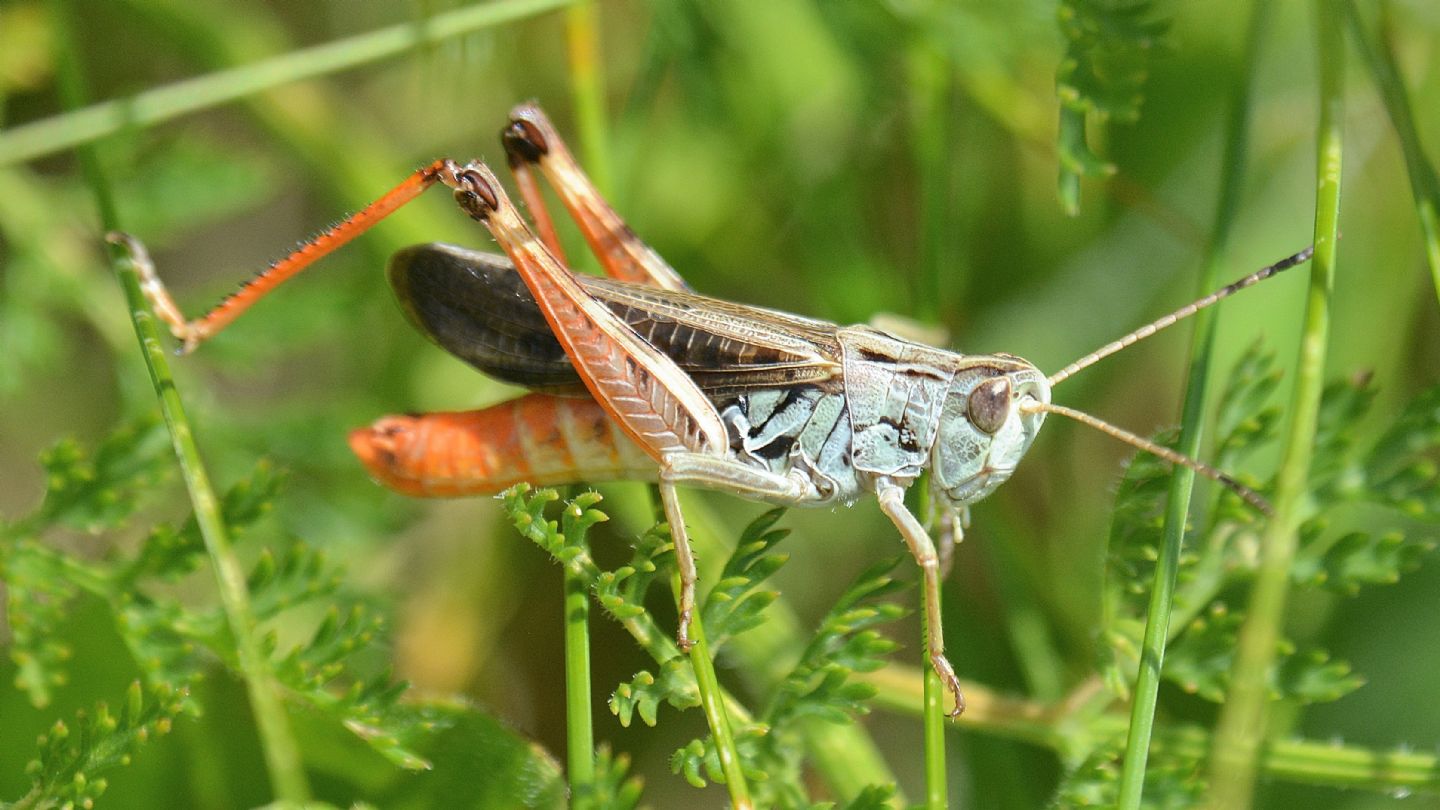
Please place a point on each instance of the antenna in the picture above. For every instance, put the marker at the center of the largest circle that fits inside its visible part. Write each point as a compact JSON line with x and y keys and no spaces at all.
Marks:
{"x":1251,"y":496}
{"x":1180,"y":314}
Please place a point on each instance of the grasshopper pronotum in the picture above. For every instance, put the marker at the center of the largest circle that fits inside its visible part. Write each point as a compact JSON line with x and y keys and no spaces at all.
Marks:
{"x":637,"y":377}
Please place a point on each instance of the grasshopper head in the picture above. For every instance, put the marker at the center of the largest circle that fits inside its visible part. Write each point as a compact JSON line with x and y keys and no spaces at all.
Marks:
{"x":983,"y":431}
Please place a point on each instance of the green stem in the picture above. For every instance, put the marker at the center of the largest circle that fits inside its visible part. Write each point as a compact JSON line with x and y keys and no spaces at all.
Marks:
{"x":583,"y":44}
{"x":282,"y":754}
{"x":1240,"y":730}
{"x":1049,"y":725}
{"x":86,"y":124}
{"x":580,"y":733}
{"x":712,"y":702}
{"x":1192,"y":423}
{"x":934,"y":721}
{"x":1424,"y":184}
{"x":845,"y":756}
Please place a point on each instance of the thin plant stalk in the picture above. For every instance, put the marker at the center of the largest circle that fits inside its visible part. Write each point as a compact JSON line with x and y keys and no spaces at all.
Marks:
{"x":278,"y":743}
{"x":1052,"y":725}
{"x":844,"y":755}
{"x":86,"y":124}
{"x":579,"y":724}
{"x":1192,"y":423}
{"x":929,"y":81}
{"x":934,"y":720}
{"x":1424,"y":183}
{"x":586,"y":77}
{"x":1241,"y":728}
{"x":712,"y":702}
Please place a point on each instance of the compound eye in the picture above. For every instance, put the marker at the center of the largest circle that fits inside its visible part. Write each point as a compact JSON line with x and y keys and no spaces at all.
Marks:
{"x":989,"y":405}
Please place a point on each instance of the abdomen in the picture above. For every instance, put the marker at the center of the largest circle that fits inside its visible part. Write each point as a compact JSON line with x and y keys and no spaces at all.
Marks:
{"x":539,"y":438}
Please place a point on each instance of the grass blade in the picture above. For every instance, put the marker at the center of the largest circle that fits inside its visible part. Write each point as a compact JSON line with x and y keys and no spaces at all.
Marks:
{"x":1240,"y":729}
{"x":282,"y":753}
{"x":86,"y":124}
{"x":1424,"y":184}
{"x":1157,"y":620}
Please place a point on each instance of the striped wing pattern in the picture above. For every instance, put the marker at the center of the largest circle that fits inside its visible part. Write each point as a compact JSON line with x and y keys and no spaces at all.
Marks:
{"x":476,"y":306}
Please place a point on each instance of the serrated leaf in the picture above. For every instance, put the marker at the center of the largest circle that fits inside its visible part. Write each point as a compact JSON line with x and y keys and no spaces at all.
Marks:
{"x":37,"y":594}
{"x":161,"y":636}
{"x":1245,"y":417}
{"x":1171,"y":783}
{"x":1199,"y":660}
{"x":644,"y":693}
{"x":72,"y":757}
{"x":1335,"y":472}
{"x":1360,"y":558}
{"x":1313,"y":677}
{"x":699,"y":762}
{"x":612,"y":788}
{"x":735,"y":602}
{"x":568,"y":547}
{"x":169,"y":553}
{"x":298,"y":576}
{"x":1400,"y":468}
{"x":622,"y":592}
{"x":1107,"y":58}
{"x":100,"y":491}
{"x":873,"y":797}
{"x":1101,"y":77}
{"x":846,"y":642}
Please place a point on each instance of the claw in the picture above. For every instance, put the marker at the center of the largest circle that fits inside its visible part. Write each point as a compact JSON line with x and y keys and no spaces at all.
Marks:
{"x":682,"y":635}
{"x":952,"y":683}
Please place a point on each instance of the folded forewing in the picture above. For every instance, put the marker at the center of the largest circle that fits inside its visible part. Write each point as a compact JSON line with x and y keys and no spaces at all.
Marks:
{"x":475,"y":306}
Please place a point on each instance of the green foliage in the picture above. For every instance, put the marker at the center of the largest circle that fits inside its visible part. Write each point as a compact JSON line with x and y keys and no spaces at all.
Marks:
{"x":174,"y":642}
{"x":72,"y":755}
{"x":829,"y":151}
{"x":819,"y":686}
{"x":568,"y":547}
{"x":612,"y":789}
{"x":1109,"y":47}
{"x":736,"y":601}
{"x":847,"y":641}
{"x":622,"y":591}
{"x":644,"y":693}
{"x":95,"y":493}
{"x":1171,"y":783}
{"x":1345,"y":492}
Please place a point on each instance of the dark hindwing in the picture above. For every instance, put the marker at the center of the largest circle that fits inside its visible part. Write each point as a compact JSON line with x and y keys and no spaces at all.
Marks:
{"x":475,"y":306}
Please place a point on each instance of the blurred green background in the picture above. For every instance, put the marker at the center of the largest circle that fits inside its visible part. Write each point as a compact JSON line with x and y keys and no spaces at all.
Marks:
{"x":809,"y":156}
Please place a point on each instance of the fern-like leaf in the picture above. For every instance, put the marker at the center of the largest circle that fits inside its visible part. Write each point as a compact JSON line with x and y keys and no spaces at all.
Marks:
{"x":846,"y":642}
{"x":72,"y":757}
{"x":1109,"y":45}
{"x":97,"y":492}
{"x":613,"y":788}
{"x":1200,"y":661}
{"x":644,"y":693}
{"x":734,"y":603}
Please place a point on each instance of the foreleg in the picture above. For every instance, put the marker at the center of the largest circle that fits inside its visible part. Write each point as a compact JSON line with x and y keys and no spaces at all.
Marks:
{"x":892,"y":503}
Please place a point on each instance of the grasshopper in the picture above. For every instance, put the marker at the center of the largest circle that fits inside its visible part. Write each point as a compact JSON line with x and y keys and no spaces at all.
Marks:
{"x":637,"y":377}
